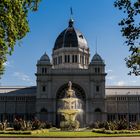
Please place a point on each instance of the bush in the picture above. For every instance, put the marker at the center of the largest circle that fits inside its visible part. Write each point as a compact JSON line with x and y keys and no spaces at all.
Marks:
{"x":94,"y":125}
{"x":116,"y":125}
{"x":48,"y":125}
{"x":122,"y":124}
{"x":36,"y":124}
{"x":18,"y":124}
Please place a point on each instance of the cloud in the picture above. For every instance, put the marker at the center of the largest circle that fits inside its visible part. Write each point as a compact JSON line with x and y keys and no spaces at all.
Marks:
{"x":23,"y":77}
{"x":133,"y":81}
{"x":121,"y":83}
{"x":109,"y":70}
{"x":111,"y":77}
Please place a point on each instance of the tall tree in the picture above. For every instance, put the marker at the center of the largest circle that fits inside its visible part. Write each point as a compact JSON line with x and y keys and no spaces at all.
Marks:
{"x":13,"y":25}
{"x":130,"y":28}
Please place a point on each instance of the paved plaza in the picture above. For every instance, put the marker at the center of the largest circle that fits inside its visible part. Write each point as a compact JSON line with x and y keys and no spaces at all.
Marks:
{"x":107,"y":138}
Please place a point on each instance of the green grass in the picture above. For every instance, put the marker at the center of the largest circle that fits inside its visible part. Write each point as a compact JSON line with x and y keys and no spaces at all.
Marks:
{"x":46,"y":133}
{"x":81,"y":134}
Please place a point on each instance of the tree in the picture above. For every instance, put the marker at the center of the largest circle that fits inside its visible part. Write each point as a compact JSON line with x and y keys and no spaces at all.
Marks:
{"x":13,"y":25}
{"x":130,"y":28}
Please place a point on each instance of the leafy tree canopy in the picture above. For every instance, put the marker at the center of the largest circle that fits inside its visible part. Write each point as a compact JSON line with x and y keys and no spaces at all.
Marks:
{"x":130,"y":28}
{"x":13,"y":25}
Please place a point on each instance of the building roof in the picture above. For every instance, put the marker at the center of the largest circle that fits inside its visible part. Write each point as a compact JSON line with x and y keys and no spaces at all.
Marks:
{"x":122,"y":90}
{"x":44,"y":59}
{"x":97,"y":59}
{"x":110,"y":91}
{"x":70,"y":37}
{"x":15,"y":91}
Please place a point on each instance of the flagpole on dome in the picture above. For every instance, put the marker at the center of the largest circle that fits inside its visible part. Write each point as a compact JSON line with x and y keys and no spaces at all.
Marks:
{"x":71,"y":13}
{"x":96,"y":45}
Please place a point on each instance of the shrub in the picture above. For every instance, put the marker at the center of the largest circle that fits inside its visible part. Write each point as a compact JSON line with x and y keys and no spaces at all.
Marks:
{"x":36,"y":124}
{"x":1,"y":126}
{"x":17,"y":124}
{"x":48,"y":125}
{"x":94,"y":125}
{"x":116,"y":125}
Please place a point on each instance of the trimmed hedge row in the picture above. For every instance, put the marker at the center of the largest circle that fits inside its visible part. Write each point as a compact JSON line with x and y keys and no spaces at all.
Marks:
{"x":115,"y":131}
{"x":16,"y":132}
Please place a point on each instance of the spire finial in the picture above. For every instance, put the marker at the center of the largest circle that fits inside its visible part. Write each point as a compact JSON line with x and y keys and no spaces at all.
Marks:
{"x":71,"y":19}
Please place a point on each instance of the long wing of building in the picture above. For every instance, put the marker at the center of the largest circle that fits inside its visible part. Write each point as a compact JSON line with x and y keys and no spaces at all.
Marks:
{"x":70,"y":62}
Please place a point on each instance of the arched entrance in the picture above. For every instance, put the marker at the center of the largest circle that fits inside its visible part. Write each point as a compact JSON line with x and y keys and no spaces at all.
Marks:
{"x":80,"y":94}
{"x":98,"y":116}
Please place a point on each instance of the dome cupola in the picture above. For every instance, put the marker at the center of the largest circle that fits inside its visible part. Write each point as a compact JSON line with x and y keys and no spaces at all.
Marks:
{"x":70,"y":37}
{"x":44,"y":59}
{"x":70,"y":49}
{"x":97,"y":59}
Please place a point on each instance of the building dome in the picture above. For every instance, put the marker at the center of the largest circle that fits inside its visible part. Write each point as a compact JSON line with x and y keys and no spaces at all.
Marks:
{"x":70,"y":37}
{"x":97,"y":59}
{"x":70,"y":49}
{"x":44,"y":59}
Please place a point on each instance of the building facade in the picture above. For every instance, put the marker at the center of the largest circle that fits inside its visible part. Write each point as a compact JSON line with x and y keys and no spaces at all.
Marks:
{"x":70,"y":62}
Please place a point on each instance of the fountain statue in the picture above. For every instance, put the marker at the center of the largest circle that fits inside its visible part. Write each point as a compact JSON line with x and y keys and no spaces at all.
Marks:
{"x":70,"y":107}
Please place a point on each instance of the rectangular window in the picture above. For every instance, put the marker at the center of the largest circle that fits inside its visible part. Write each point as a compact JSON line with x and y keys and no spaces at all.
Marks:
{"x":75,"y":58}
{"x":72,"y":58}
{"x":98,"y":70}
{"x":43,"y":88}
{"x":42,"y":70}
{"x":55,"y":61}
{"x":45,"y":69}
{"x":67,"y":58}
{"x":60,"y":60}
{"x":97,"y":88}
{"x":95,"y":70}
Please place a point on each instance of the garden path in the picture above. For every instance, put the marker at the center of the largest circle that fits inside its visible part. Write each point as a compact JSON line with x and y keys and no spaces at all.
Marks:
{"x":107,"y":138}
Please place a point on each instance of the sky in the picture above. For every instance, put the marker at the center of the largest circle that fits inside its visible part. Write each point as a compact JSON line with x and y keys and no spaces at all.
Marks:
{"x":94,"y":18}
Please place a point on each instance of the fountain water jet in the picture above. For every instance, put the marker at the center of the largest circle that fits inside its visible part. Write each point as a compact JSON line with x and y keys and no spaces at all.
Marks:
{"x":70,"y":108}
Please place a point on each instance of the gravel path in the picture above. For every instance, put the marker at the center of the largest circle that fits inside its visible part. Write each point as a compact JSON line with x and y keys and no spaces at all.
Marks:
{"x":113,"y":138}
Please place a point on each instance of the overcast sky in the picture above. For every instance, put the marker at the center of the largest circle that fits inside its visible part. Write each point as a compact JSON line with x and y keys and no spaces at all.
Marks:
{"x":94,"y":18}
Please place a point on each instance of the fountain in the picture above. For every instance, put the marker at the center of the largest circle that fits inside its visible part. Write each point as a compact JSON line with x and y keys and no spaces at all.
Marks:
{"x":70,"y":107}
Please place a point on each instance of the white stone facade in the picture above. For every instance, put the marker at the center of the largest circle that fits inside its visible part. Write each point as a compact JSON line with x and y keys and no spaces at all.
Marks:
{"x":70,"y":62}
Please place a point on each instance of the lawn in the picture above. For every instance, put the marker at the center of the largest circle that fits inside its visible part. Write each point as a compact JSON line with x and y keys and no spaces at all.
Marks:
{"x":46,"y":133}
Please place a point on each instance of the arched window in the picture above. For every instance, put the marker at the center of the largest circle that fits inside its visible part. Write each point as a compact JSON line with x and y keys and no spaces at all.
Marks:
{"x":43,"y":110}
{"x":97,"y":110}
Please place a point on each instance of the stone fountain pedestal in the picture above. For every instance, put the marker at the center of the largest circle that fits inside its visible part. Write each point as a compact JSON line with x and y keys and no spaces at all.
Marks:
{"x":70,"y":108}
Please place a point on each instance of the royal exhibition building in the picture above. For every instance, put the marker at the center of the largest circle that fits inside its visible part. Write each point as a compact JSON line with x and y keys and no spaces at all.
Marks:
{"x":70,"y":63}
